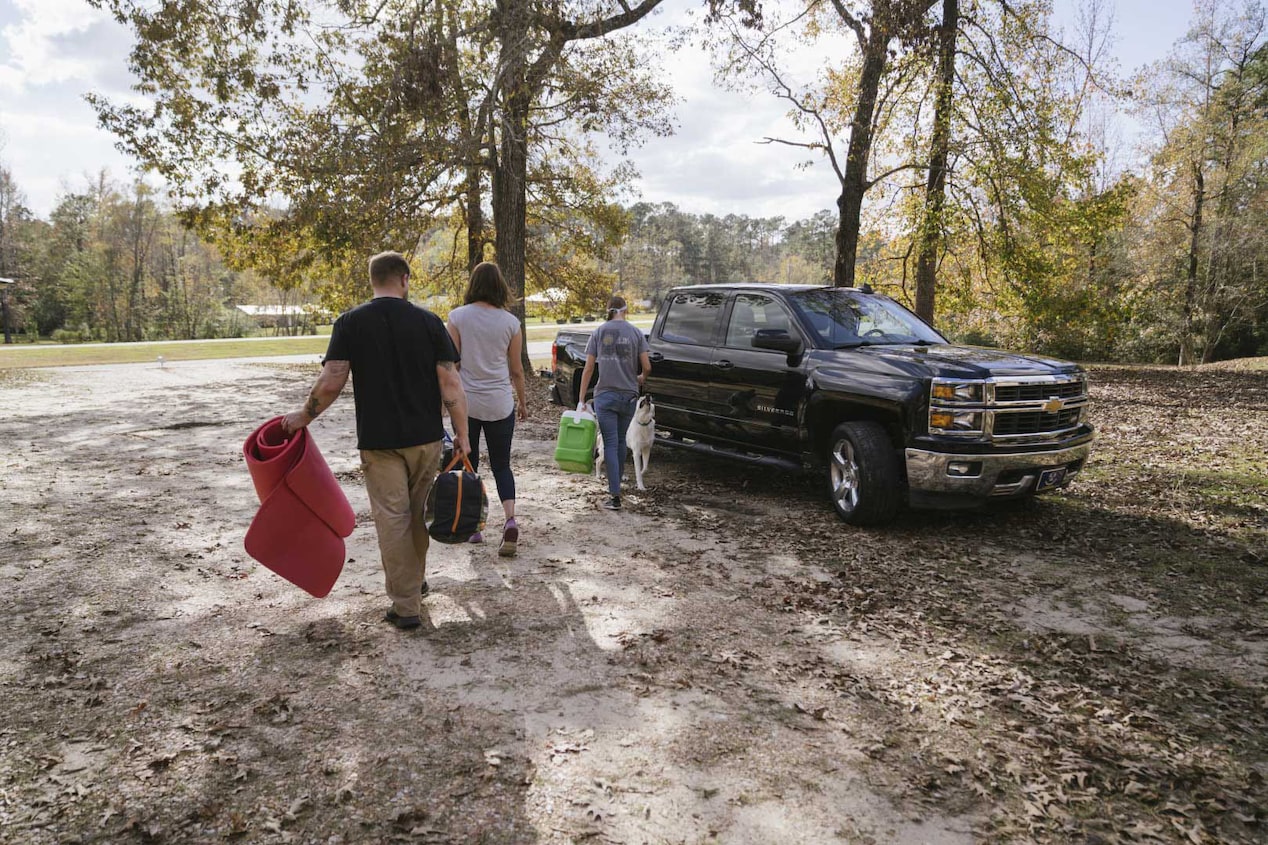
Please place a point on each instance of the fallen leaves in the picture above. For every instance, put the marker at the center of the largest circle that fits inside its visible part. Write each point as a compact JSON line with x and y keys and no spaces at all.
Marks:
{"x":576,"y":742}
{"x":914,"y":666}
{"x":818,"y":713}
{"x":277,"y":708}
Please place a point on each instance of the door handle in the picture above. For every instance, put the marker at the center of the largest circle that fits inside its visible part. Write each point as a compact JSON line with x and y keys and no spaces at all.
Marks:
{"x":655,"y":356}
{"x":724,"y":364}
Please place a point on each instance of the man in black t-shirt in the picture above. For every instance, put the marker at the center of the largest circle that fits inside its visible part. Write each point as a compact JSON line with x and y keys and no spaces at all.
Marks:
{"x":403,"y":367}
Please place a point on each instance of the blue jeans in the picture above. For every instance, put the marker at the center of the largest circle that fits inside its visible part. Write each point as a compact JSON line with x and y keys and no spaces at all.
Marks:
{"x":615,"y":412}
{"x":497,"y":439}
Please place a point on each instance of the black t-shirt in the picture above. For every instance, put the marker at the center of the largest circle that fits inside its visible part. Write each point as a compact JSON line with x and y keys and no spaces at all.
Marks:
{"x":393,"y":347}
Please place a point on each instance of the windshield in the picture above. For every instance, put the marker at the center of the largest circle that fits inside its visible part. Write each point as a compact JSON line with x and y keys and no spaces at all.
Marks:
{"x":842,"y":317}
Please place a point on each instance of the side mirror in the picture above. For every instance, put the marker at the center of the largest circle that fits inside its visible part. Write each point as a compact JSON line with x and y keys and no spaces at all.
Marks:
{"x":777,"y":340}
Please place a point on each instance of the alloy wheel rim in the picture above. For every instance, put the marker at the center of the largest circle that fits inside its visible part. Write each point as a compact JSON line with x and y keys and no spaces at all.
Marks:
{"x":845,"y":476}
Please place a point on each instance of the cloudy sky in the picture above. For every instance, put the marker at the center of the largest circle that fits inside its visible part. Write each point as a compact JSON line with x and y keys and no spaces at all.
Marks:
{"x":54,"y":51}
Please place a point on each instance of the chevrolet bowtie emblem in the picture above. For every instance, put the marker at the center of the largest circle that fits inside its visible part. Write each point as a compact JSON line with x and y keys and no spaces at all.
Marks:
{"x":1053,"y":405}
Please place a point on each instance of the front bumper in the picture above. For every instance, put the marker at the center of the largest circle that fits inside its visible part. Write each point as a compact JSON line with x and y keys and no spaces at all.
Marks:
{"x":1013,"y":474}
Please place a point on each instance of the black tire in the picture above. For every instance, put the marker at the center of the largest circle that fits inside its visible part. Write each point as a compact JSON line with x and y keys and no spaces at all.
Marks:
{"x":864,"y":482}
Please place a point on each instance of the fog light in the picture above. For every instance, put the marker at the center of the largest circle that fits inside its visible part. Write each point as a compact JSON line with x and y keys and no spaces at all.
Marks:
{"x":964,"y":469}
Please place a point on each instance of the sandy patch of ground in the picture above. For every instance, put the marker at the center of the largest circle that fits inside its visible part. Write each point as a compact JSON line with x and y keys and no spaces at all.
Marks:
{"x":723,"y":661}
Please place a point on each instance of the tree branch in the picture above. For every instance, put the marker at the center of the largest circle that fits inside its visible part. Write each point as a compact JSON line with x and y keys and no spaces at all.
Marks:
{"x":852,"y":22}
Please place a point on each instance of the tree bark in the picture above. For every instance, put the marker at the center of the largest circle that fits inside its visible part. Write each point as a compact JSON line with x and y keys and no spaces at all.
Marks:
{"x":1191,"y":279}
{"x":931,"y":238}
{"x":473,"y":147}
{"x":1220,"y":259}
{"x":854,"y":180}
{"x":510,"y":164}
{"x":136,"y":281}
{"x":4,"y":312}
{"x":522,"y":79}
{"x":475,"y":219}
{"x":5,"y":269}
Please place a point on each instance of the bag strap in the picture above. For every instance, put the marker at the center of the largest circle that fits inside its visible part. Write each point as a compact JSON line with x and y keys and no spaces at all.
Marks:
{"x":466,"y":462}
{"x":457,"y":511}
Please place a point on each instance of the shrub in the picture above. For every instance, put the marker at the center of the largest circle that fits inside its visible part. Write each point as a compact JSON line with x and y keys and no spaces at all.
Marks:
{"x":67,"y":336}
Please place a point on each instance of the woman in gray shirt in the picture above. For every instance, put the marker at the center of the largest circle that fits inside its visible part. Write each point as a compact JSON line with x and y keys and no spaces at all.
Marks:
{"x":619,"y":349}
{"x":488,"y":339}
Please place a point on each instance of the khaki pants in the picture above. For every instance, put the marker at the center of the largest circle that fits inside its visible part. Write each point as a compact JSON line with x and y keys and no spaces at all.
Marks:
{"x":398,"y":481}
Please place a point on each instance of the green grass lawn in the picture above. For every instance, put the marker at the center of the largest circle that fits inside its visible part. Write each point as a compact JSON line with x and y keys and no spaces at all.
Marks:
{"x":24,"y":355}
{"x":72,"y":355}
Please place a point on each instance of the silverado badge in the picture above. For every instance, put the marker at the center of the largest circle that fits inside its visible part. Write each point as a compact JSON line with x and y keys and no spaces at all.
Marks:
{"x":1056,"y":403}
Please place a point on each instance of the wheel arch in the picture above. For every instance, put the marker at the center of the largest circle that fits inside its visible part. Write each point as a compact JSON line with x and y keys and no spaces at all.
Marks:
{"x":824,"y":415}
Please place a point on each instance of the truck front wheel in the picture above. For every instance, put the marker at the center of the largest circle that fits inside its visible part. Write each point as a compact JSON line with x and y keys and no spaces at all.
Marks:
{"x":863,"y":475}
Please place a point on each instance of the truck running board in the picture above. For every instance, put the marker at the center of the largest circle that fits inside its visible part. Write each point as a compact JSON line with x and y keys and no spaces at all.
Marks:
{"x":786,"y":464}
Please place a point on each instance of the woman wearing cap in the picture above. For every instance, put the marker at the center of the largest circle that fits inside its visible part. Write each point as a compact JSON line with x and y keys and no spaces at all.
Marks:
{"x":620,"y":349}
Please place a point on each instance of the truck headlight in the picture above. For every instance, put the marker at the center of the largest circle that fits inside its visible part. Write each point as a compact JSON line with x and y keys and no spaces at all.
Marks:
{"x":951,"y":391}
{"x":959,"y":422}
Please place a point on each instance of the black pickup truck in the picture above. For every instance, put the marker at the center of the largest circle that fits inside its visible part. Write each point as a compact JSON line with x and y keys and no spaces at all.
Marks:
{"x":804,"y":377}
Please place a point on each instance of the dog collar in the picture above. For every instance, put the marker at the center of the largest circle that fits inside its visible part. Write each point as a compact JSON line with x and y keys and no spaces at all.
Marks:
{"x":644,"y":423}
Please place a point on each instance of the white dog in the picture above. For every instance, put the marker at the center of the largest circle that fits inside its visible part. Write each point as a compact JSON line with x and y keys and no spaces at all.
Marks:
{"x":639,"y":440}
{"x":641,"y":436}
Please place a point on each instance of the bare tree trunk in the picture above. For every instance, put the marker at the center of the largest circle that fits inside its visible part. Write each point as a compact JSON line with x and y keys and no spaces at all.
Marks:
{"x":4,"y":312}
{"x":114,"y":323}
{"x":510,"y":196}
{"x":5,"y":270}
{"x":1221,"y":270}
{"x":10,"y":200}
{"x":888,"y":19}
{"x":510,"y":165}
{"x":523,"y":78}
{"x":475,"y":219}
{"x":854,"y":180}
{"x":473,"y":149}
{"x":132,"y":318}
{"x":142,"y":241}
{"x":939,"y":152}
{"x":1191,"y":279}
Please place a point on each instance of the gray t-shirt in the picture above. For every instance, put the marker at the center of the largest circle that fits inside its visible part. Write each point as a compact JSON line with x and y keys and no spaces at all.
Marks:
{"x":484,"y":333}
{"x":616,"y":346}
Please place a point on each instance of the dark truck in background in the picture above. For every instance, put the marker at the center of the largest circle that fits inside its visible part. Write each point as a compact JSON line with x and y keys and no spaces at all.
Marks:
{"x":802,"y":377}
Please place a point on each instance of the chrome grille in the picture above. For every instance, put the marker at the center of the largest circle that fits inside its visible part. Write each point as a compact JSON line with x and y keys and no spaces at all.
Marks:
{"x":1013,"y":410}
{"x":1017,"y":413}
{"x":1012,"y":423}
{"x":1037,"y":392}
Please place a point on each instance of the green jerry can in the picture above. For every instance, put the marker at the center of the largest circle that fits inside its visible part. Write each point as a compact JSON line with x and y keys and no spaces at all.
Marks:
{"x":574,"y":450}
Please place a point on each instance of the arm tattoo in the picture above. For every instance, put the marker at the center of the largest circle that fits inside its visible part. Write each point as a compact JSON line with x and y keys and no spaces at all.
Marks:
{"x":450,"y":403}
{"x":313,"y":408}
{"x":448,"y":365}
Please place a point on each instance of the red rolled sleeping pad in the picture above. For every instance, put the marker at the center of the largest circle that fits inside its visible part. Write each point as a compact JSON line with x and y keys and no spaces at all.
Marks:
{"x":303,"y":517}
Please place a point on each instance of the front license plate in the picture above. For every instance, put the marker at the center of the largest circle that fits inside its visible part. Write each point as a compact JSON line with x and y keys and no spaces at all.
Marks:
{"x":1050,"y":478}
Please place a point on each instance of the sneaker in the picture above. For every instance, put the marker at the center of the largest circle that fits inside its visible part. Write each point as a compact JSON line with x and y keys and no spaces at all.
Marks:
{"x":476,"y":538}
{"x":426,"y":589}
{"x":510,"y":537}
{"x":612,"y":503}
{"x":403,"y":622}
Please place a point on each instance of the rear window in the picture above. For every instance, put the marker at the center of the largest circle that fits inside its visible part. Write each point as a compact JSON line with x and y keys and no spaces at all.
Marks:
{"x":691,"y":318}
{"x":750,"y":313}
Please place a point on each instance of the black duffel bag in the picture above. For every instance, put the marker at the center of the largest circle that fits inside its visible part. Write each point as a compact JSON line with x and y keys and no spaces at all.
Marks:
{"x":457,"y":505}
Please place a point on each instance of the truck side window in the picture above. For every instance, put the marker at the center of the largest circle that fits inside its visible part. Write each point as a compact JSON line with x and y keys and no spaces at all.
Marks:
{"x":750,"y":313}
{"x":691,"y":318}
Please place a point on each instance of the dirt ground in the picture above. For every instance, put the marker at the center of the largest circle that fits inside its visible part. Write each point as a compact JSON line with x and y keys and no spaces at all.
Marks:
{"x":722,"y":662}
